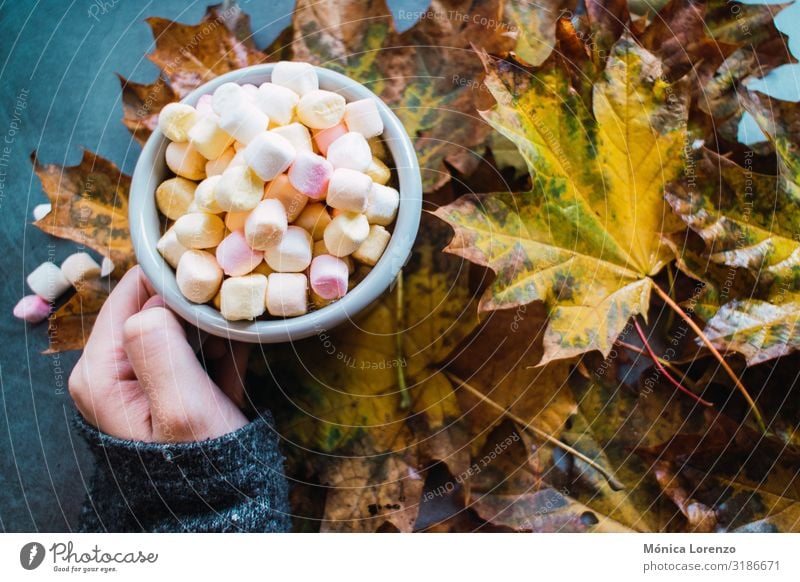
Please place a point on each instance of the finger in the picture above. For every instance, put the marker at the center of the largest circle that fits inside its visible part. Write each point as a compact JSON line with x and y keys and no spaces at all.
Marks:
{"x":154,"y":301}
{"x":230,"y":371}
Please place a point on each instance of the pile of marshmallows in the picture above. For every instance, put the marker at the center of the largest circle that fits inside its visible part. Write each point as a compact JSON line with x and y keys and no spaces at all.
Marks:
{"x":277,"y":190}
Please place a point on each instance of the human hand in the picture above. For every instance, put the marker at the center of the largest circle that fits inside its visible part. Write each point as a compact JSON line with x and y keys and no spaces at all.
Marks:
{"x":139,"y":379}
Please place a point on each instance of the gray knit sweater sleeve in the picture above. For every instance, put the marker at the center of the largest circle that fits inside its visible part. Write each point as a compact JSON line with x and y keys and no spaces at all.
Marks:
{"x":233,"y":483}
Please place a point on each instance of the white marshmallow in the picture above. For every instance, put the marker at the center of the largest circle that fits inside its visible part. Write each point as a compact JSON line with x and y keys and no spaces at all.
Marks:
{"x":350,"y":151}
{"x":382,"y":204}
{"x":186,"y":161}
{"x":209,"y":138}
{"x":328,"y":277}
{"x":314,"y":219}
{"x":250,"y":91}
{"x":236,"y":220}
{"x":205,"y":198}
{"x":227,"y":97}
{"x":235,"y":256}
{"x":266,"y":225}
{"x":80,"y":266}
{"x":269,"y":155}
{"x":237,"y":160}
{"x":170,"y":248}
{"x":292,"y":199}
{"x":243,"y":298}
{"x":320,"y":109}
{"x":287,"y":294}
{"x":239,"y":189}
{"x":176,"y":119}
{"x":378,"y":171}
{"x":204,"y":104}
{"x":297,"y":134}
{"x":216,"y":167}
{"x":292,"y":254}
{"x":106,"y":267}
{"x":174,"y":196}
{"x":199,"y":230}
{"x":345,"y":233}
{"x":277,"y":102}
{"x":363,"y":117}
{"x":198,"y":276}
{"x":371,"y":249}
{"x":349,"y":190}
{"x":299,"y":77}
{"x":244,"y":123}
{"x":48,"y":282}
{"x":310,"y":174}
{"x":41,"y":210}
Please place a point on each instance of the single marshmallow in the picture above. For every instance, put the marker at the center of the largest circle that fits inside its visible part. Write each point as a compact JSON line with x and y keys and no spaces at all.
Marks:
{"x":349,"y":190}
{"x":362,"y":116}
{"x":382,"y":204}
{"x":235,"y":256}
{"x":171,"y":248}
{"x":204,"y":104}
{"x":186,"y":161}
{"x":32,"y":309}
{"x":243,"y":297}
{"x":292,"y":199}
{"x":299,"y":77}
{"x":325,"y":137}
{"x":315,"y":219}
{"x":328,"y":277}
{"x":310,"y":174}
{"x":350,"y":151}
{"x":371,"y":249}
{"x":378,"y":171}
{"x":80,"y":266}
{"x":106,"y":267}
{"x":48,"y":282}
{"x":345,"y":233}
{"x":250,"y":91}
{"x":239,"y":189}
{"x":277,"y":102}
{"x":298,"y":136}
{"x":292,"y":254}
{"x":209,"y":138}
{"x":318,"y":301}
{"x":198,"y":276}
{"x":320,"y":109}
{"x":236,"y":220}
{"x":174,"y":196}
{"x":205,"y":197}
{"x":199,"y":230}
{"x":266,"y":224}
{"x":41,"y":210}
{"x":227,"y":97}
{"x":244,"y":123}
{"x":287,"y":294}
{"x":176,"y":119}
{"x":269,"y":155}
{"x":216,"y":167}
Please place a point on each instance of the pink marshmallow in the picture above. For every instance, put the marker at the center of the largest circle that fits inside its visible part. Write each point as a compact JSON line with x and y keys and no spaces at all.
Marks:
{"x":325,"y":137}
{"x":236,"y":257}
{"x":310,"y":174}
{"x":204,"y":104}
{"x":32,"y":309}
{"x":329,"y":276}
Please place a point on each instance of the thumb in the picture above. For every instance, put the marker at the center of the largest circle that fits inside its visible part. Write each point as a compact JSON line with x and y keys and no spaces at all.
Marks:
{"x":185,"y":405}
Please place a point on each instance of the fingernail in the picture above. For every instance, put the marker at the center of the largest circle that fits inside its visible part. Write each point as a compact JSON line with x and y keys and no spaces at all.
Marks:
{"x":154,"y":301}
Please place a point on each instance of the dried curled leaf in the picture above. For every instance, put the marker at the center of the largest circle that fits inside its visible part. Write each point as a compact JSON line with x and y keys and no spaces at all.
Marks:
{"x":71,"y":324}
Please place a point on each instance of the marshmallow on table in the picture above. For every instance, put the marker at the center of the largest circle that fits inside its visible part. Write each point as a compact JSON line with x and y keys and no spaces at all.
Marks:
{"x":243,"y":297}
{"x":325,"y":137}
{"x":235,"y":256}
{"x":314,"y":219}
{"x":244,"y":123}
{"x":106,"y":267}
{"x":299,"y":77}
{"x":236,"y":220}
{"x":174,"y":196}
{"x":227,"y":97}
{"x":269,"y":155}
{"x":266,"y":224}
{"x":186,"y":161}
{"x":239,"y":189}
{"x":328,"y":277}
{"x":32,"y":309}
{"x":199,"y":230}
{"x":209,"y":138}
{"x":292,"y":199}
{"x":345,"y":233}
{"x":176,"y":119}
{"x":350,"y":151}
{"x":310,"y":174}
{"x":216,"y":167}
{"x":171,"y":248}
{"x":349,"y":190}
{"x":297,"y":134}
{"x":382,"y":204}
{"x":277,"y":102}
{"x":205,"y":198}
{"x":48,"y":282}
{"x":80,"y":266}
{"x":292,"y":254}
{"x":371,"y":249}
{"x":198,"y":276}
{"x":378,"y":171}
{"x":41,"y":210}
{"x":287,"y":294}
{"x":204,"y":104}
{"x":363,"y":117}
{"x":320,"y":109}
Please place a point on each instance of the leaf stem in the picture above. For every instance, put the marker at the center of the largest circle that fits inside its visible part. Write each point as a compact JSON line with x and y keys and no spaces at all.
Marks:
{"x":704,"y":338}
{"x":400,"y":321}
{"x":659,"y":366}
{"x":685,"y":380}
{"x":616,"y":485}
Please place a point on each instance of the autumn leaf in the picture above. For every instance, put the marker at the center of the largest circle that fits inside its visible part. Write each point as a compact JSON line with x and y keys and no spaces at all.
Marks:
{"x":141,"y":104}
{"x":587,"y":238}
{"x":69,"y":327}
{"x":533,"y":26}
